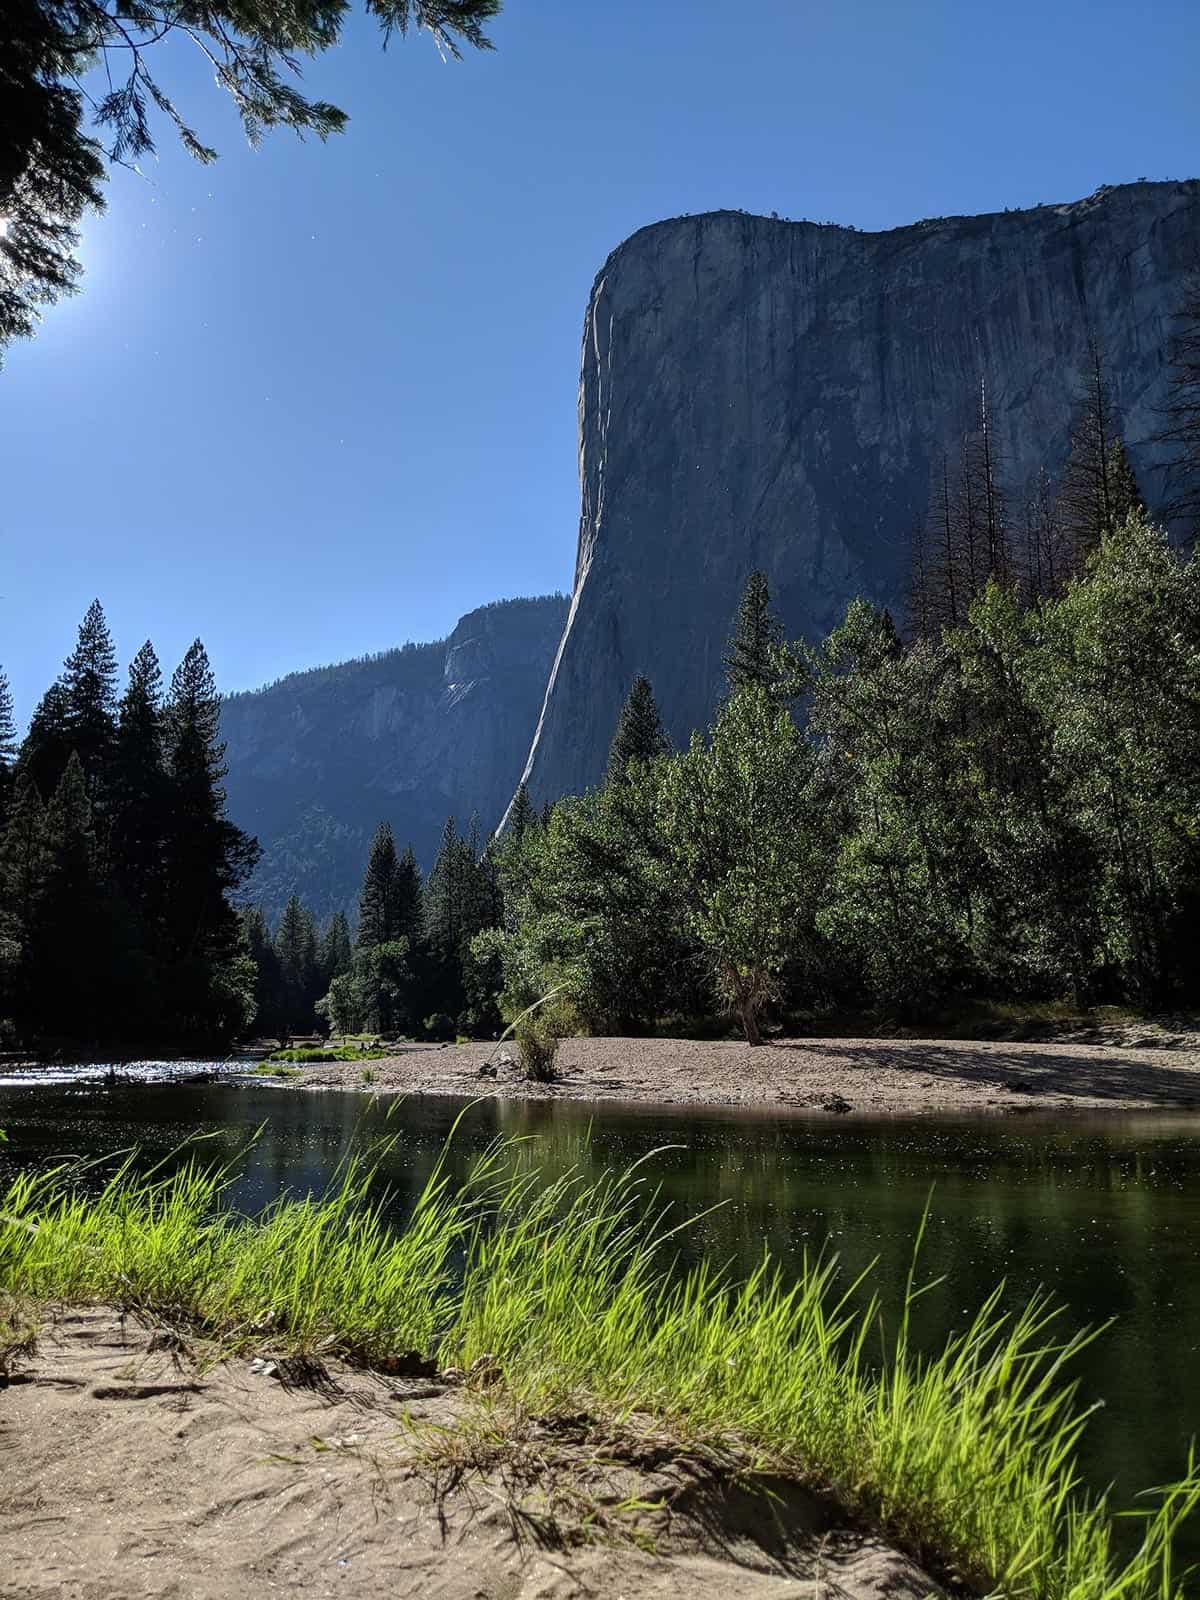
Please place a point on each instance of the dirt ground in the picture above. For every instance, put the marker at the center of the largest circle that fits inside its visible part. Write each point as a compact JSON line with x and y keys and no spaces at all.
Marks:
{"x":856,"y":1076}
{"x":127,"y":1471}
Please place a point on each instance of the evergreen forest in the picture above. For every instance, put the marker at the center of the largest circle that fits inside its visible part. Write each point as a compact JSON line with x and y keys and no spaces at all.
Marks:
{"x":995,"y":795}
{"x":118,"y":865}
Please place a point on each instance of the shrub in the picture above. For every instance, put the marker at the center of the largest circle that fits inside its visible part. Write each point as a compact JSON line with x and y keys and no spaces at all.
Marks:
{"x":438,"y":1028}
{"x":536,"y":1050}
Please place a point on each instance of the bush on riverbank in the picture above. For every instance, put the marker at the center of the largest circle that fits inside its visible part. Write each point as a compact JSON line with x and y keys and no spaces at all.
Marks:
{"x":966,"y":1458}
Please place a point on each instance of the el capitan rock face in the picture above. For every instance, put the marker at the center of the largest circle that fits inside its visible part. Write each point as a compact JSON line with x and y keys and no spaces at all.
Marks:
{"x":319,"y":759}
{"x":761,"y":393}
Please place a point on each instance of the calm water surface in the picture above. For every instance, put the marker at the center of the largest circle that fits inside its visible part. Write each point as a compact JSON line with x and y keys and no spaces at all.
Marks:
{"x":1103,"y":1211}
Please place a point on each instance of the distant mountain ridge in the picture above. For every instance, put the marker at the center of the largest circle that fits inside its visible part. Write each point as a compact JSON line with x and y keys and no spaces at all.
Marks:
{"x":412,"y":735}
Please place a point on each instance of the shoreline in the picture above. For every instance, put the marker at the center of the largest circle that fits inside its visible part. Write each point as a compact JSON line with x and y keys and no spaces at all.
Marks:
{"x":276,"y":1476}
{"x":834,"y":1076}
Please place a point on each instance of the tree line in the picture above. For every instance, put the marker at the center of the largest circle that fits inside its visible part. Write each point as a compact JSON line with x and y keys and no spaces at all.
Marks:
{"x":407,"y":968}
{"x":1008,"y":808}
{"x":1002,"y":800}
{"x":118,"y":865}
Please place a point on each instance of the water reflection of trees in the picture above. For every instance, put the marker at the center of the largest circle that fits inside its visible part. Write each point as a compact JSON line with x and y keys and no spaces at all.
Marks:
{"x":1106,"y":1214}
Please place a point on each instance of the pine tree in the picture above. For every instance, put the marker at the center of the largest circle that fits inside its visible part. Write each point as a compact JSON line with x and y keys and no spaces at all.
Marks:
{"x":378,"y":907}
{"x":1125,"y":495}
{"x":478,"y":888}
{"x":69,"y":830}
{"x":336,"y":953}
{"x":940,"y":604}
{"x":445,"y":896}
{"x":22,"y":879}
{"x":994,"y":511}
{"x":410,"y":897}
{"x":8,"y":727}
{"x":965,"y":540}
{"x":90,"y":681}
{"x":521,"y":814}
{"x":206,"y":857}
{"x":269,"y":1005}
{"x":640,"y":735}
{"x":140,"y":788}
{"x":68,"y":944}
{"x":1045,"y":559}
{"x":1087,"y":506}
{"x":46,"y":747}
{"x":296,"y":952}
{"x":757,"y":638}
{"x":23,"y":856}
{"x":8,"y":746}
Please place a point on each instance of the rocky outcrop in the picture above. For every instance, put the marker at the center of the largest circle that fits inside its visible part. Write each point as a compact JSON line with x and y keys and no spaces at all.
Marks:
{"x":762,"y":393}
{"x":412,"y":736}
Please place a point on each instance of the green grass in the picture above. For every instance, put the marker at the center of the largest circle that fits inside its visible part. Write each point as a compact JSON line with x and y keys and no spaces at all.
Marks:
{"x":965,"y":1457}
{"x":336,"y":1052}
{"x":273,"y":1069}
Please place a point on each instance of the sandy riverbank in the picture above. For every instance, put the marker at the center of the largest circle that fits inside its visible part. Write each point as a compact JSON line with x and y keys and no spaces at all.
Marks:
{"x":127,"y":1471}
{"x":848,"y":1076}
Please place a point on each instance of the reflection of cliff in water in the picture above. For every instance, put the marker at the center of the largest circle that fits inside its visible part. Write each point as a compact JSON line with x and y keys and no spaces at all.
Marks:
{"x":1102,"y":1211}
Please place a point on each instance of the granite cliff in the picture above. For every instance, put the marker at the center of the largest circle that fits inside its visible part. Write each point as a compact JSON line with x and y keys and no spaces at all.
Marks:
{"x":412,"y":736}
{"x":765,"y":393}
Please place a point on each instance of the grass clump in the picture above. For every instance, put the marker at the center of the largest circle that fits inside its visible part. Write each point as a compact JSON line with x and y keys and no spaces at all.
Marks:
{"x":565,"y":1293}
{"x":537,"y":1049}
{"x":276,"y":1069}
{"x":537,"y":1034}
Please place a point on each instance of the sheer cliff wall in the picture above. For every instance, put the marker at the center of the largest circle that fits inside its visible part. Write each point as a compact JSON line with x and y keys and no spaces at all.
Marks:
{"x":762,"y":393}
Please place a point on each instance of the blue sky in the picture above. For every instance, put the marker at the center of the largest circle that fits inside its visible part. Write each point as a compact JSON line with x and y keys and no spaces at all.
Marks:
{"x":315,"y":400}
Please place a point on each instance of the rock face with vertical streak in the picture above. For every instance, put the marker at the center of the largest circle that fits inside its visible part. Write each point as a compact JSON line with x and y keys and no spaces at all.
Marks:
{"x":764,"y":393}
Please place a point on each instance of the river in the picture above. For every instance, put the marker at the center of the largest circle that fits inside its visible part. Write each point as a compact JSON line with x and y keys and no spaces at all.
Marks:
{"x":1102,"y":1210}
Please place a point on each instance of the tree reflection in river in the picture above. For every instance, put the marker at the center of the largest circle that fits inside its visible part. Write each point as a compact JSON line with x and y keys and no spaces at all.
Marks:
{"x":1103,"y":1211}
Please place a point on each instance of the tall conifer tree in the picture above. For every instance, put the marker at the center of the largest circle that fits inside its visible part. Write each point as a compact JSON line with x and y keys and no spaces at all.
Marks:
{"x":269,"y":1006}
{"x":69,"y":946}
{"x":521,"y":814}
{"x":46,"y":748}
{"x":296,"y":952}
{"x":23,"y":857}
{"x":752,"y":659}
{"x":90,"y":681}
{"x":206,"y":857}
{"x":8,"y":746}
{"x":378,"y":902}
{"x":640,"y":735}
{"x":1126,"y":496}
{"x":410,"y":897}
{"x":446,"y":894}
{"x":336,"y":953}
{"x":140,"y":789}
{"x":1087,"y":503}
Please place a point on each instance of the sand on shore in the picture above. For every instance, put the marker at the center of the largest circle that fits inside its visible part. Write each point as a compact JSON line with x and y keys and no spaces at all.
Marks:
{"x":839,"y":1076}
{"x":130,"y":1472}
